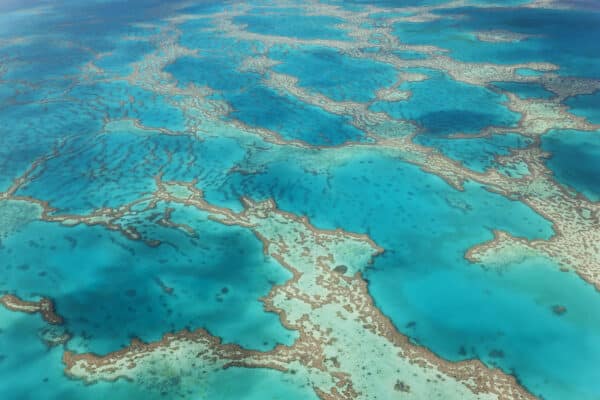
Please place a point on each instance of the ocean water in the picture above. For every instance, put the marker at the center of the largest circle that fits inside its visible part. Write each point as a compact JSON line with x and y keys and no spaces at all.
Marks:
{"x":39,"y":377}
{"x":118,"y":293}
{"x":341,"y":77}
{"x":96,"y":101}
{"x":574,"y":160}
{"x":293,"y":119}
{"x":293,"y":24}
{"x":439,"y":103}
{"x":551,"y":35}
{"x":587,"y":106}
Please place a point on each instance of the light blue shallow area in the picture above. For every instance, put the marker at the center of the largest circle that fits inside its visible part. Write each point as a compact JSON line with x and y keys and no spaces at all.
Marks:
{"x":117,"y":99}
{"x":217,"y":72}
{"x":333,"y":74}
{"x":41,"y":377}
{"x":476,"y":153}
{"x":574,"y":160}
{"x":504,"y":318}
{"x":38,"y":60}
{"x":443,"y":106}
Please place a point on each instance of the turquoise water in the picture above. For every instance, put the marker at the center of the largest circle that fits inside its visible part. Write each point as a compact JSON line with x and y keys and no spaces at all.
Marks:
{"x":40,"y":377}
{"x":107,"y":136}
{"x":439,"y":102}
{"x":294,"y":25}
{"x":340,"y":78}
{"x":116,"y":294}
{"x":284,"y":114}
{"x":293,"y":119}
{"x":528,"y":72}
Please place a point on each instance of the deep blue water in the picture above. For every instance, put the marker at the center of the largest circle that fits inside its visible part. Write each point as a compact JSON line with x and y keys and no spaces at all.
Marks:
{"x":443,"y":106}
{"x":574,"y":160}
{"x":587,"y":106}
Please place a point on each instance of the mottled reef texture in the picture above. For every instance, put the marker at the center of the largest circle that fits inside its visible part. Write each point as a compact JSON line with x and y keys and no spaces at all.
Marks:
{"x":346,"y":347}
{"x":53,"y":335}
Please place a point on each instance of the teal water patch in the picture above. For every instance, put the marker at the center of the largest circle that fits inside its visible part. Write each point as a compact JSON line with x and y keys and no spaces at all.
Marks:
{"x":339,"y":76}
{"x":37,"y":60}
{"x":129,"y":161}
{"x":293,"y":25}
{"x":118,"y":99}
{"x":443,"y":106}
{"x":587,"y":106}
{"x":257,"y":105}
{"x":525,"y":90}
{"x":293,"y":119}
{"x":503,"y":317}
{"x":477,"y":154}
{"x":30,"y":131}
{"x":42,"y":377}
{"x":574,"y":160}
{"x":127,"y":51}
{"x":217,"y":72}
{"x":110,"y":289}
